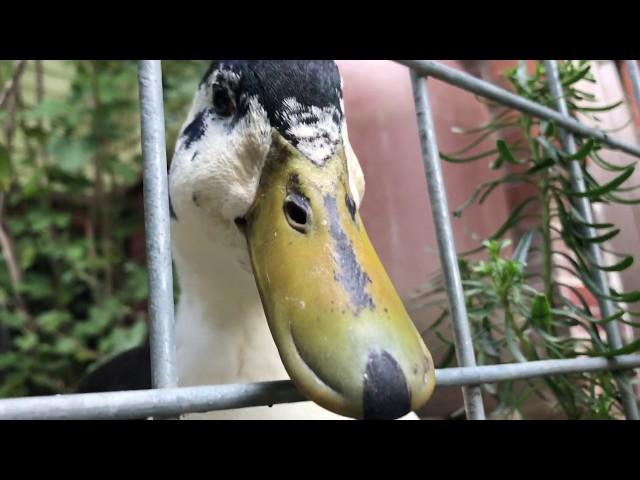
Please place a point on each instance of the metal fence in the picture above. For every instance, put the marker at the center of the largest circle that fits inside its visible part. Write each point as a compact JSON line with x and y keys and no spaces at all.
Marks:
{"x":167,"y":400}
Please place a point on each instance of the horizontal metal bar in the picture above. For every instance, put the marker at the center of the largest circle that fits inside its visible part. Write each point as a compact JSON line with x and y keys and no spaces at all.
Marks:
{"x":500,"y":95}
{"x":175,"y":401}
{"x":448,"y":377}
{"x":165,"y":402}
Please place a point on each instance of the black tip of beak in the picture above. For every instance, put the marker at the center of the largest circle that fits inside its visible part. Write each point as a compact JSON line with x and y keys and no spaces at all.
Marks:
{"x":386,"y":395}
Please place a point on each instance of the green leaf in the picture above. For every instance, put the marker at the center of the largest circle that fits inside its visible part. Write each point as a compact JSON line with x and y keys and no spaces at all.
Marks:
{"x":53,"y":320}
{"x":547,"y":127}
{"x":44,"y":380}
{"x":629,"y":297}
{"x":510,"y":178}
{"x":609,"y":166}
{"x":71,"y":155}
{"x":136,"y":283}
{"x":543,"y":165}
{"x":601,"y":238}
{"x":98,"y":321}
{"x":75,"y":252}
{"x":605,"y":108}
{"x":8,"y":360}
{"x":608,"y":187}
{"x":505,"y":153}
{"x":121,"y":339}
{"x":60,"y":219}
{"x":616,"y":316}
{"x":481,"y":311}
{"x":47,"y":110}
{"x":623,"y":201}
{"x":471,"y":158}
{"x":83,"y":355}
{"x":125,"y":172}
{"x":37,"y":286}
{"x":12,"y":319}
{"x":27,"y":252}
{"x":513,"y":218}
{"x":627,"y":349}
{"x":541,"y":312}
{"x":26,"y":342}
{"x":577,"y":219}
{"x":487,"y":129}
{"x":622,"y":265}
{"x":583,"y":152}
{"x":576,"y":76}
{"x":521,"y":251}
{"x":39,"y":219}
{"x":17,"y":225}
{"x":65,"y":345}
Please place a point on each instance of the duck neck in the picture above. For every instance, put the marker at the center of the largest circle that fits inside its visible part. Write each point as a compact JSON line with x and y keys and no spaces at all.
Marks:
{"x":222,"y":334}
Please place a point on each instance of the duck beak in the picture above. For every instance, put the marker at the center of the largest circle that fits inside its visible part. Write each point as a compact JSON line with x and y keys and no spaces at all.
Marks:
{"x":340,"y":327}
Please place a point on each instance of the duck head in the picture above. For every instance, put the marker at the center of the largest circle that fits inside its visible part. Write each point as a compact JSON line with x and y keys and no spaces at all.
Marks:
{"x":264,"y":166}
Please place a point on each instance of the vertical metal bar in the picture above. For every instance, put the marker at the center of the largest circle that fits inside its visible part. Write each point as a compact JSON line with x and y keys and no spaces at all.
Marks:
{"x":583,"y":206}
{"x":473,"y":404}
{"x":157,"y":232}
{"x":634,"y":75}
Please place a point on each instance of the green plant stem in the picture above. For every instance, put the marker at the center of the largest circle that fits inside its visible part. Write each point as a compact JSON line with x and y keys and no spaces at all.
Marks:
{"x":547,"y":246}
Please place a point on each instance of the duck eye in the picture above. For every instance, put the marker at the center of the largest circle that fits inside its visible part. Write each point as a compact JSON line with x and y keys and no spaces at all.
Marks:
{"x":223,"y":104}
{"x":296,"y":209}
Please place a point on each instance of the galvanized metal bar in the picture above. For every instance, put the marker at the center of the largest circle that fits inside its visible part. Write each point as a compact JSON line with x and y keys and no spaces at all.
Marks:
{"x":176,"y":401}
{"x":448,"y":377}
{"x":166,"y":402}
{"x":157,"y":230}
{"x":497,"y":94}
{"x":634,"y":75}
{"x":448,"y":257}
{"x":583,"y":206}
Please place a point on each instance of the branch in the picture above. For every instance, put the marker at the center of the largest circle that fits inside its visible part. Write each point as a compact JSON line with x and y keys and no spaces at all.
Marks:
{"x":9,"y":255}
{"x":12,"y":83}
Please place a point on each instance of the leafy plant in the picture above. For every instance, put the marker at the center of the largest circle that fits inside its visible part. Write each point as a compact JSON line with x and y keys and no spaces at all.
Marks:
{"x":73,"y":283}
{"x":523,"y":315}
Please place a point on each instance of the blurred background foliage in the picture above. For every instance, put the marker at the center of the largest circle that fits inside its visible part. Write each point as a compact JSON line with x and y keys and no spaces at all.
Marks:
{"x":73,"y":282}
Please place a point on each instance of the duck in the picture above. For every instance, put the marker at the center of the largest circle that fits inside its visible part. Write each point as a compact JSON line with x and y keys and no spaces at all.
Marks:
{"x":278,"y":278}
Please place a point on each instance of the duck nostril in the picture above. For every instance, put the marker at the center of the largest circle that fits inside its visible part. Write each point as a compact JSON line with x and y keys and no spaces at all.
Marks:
{"x":386,"y":395}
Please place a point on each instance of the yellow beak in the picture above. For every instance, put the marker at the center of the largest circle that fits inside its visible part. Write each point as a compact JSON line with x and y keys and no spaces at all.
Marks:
{"x":340,"y":327}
